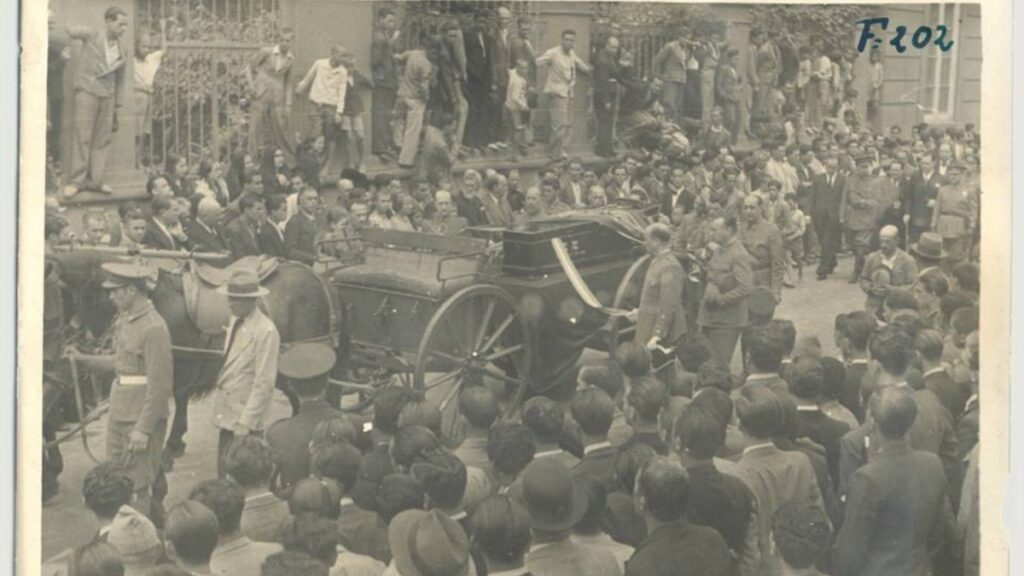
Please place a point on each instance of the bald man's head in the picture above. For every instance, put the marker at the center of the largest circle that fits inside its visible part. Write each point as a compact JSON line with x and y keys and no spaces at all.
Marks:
{"x":894,"y":411}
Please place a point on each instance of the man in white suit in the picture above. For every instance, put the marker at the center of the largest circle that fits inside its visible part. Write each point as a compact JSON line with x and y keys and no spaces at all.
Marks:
{"x":245,"y":385}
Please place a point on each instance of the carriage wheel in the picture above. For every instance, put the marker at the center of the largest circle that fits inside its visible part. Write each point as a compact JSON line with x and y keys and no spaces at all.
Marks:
{"x":627,"y":297}
{"x":476,"y":337}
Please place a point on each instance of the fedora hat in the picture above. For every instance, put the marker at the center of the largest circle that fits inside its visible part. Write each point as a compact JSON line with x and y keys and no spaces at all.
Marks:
{"x":428,"y":544}
{"x":243,"y":284}
{"x":881,"y":276}
{"x":929,"y":245}
{"x":552,"y":496}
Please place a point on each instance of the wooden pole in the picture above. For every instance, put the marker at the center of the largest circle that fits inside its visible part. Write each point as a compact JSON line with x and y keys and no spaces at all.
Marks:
{"x":146,"y":252}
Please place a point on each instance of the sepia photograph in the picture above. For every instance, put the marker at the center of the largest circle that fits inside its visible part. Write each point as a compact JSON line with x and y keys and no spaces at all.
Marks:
{"x":513,"y":288}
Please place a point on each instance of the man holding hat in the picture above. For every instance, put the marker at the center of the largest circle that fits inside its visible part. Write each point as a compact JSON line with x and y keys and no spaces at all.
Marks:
{"x":858,"y":209}
{"x":660,"y":319}
{"x":556,"y":502}
{"x":763,"y":242}
{"x":144,"y":376}
{"x":306,"y":367}
{"x":245,"y":385}
{"x":886,"y":268}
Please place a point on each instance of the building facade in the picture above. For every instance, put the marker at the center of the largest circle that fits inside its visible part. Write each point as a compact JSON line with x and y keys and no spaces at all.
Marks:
{"x":200,"y":101}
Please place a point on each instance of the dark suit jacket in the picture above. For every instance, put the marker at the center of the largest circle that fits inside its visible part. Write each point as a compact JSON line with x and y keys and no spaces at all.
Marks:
{"x":290,"y":439}
{"x":967,"y":430}
{"x":720,"y":501}
{"x":271,"y":242}
{"x":604,"y":81}
{"x":932,"y":432}
{"x":499,"y":59}
{"x":300,"y":238}
{"x":240,"y":239}
{"x":600,"y":464}
{"x":952,"y":395}
{"x":820,"y":429}
{"x":804,"y":187}
{"x":826,"y":199}
{"x":670,"y":547}
{"x":478,"y":64}
{"x":851,"y":393}
{"x":156,"y":238}
{"x":897,"y":516}
{"x":565,"y":193}
{"x":919,"y":191}
{"x":203,"y":239}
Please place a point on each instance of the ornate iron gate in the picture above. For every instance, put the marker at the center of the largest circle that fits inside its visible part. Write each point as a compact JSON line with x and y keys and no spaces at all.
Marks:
{"x":200,"y":104}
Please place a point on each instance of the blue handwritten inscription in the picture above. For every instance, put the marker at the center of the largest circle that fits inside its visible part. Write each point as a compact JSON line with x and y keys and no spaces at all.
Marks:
{"x":921,"y":37}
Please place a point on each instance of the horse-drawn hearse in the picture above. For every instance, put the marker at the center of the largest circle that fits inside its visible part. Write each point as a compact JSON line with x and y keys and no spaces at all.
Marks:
{"x":510,"y":308}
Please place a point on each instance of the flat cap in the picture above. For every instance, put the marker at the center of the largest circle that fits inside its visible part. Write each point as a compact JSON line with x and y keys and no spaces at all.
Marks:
{"x":305,"y":361}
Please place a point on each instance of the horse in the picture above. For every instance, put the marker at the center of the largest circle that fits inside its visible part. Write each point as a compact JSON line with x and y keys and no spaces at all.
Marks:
{"x":300,"y":303}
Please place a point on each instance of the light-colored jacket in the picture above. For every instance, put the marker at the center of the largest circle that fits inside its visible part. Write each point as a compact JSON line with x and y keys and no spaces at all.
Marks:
{"x":93,"y":74}
{"x":245,"y":385}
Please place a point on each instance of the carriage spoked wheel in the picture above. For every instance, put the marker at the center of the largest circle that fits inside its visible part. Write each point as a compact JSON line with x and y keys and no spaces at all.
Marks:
{"x":627,"y":297}
{"x":477,"y":337}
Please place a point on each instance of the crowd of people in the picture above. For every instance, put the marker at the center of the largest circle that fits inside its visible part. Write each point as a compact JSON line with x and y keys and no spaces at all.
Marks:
{"x":861,"y":464}
{"x":794,"y":463}
{"x":801,"y":464}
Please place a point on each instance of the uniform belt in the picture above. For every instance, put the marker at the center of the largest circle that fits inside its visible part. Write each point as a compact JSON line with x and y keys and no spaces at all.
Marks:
{"x":133,"y":380}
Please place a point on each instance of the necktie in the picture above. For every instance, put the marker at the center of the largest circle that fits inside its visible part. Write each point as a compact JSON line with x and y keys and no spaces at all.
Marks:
{"x":231,"y":337}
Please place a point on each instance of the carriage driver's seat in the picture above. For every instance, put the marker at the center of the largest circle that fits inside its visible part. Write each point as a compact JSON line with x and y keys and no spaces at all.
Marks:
{"x":414,"y":263}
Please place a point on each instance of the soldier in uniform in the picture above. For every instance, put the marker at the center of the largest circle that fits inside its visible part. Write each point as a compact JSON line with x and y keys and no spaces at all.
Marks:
{"x":951,"y":218}
{"x":723,"y":311}
{"x":660,"y":319}
{"x":763,"y":242}
{"x":858,"y":209}
{"x":143,"y":381}
{"x":306,"y":367}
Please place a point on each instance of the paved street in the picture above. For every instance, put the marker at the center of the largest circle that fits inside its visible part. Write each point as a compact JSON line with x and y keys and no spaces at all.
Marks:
{"x":812,"y":305}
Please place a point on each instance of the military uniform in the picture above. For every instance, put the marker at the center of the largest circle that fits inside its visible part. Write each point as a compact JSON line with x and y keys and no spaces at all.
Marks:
{"x":142,"y":387}
{"x":660,"y":312}
{"x":763,"y":242}
{"x":729,"y":277}
{"x":859,"y":209}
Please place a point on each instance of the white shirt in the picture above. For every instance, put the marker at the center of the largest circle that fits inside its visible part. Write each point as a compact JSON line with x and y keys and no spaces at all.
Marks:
{"x":561,"y":71}
{"x":328,"y":84}
{"x":145,"y":70}
{"x":598,"y":446}
{"x":113,"y":53}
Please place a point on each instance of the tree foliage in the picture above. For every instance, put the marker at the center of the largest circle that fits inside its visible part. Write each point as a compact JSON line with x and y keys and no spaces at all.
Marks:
{"x":663,"y":17}
{"x":834,"y":24}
